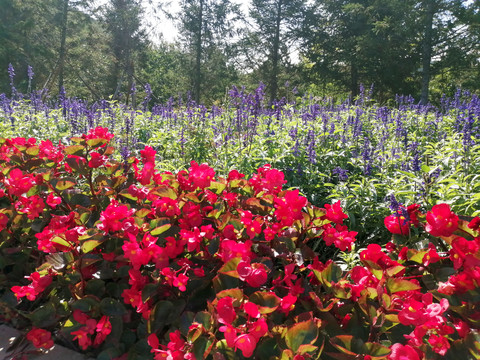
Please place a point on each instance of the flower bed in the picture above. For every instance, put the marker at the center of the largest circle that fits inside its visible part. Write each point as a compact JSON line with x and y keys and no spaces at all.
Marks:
{"x":122,"y":261}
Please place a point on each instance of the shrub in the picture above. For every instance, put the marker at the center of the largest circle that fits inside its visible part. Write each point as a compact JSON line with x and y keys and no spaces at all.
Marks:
{"x":123,"y":261}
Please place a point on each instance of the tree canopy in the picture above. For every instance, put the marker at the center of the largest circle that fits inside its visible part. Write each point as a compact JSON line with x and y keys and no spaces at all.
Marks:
{"x":421,"y":48}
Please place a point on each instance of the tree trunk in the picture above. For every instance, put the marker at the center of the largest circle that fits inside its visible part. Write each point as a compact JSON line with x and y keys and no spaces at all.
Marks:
{"x":276,"y":55}
{"x":353,"y":80}
{"x":63,"y":48}
{"x":427,"y":50}
{"x":198,"y":57}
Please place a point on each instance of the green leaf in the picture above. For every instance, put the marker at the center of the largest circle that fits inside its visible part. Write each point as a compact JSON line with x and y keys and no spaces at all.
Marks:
{"x":376,"y":350}
{"x":97,"y":142}
{"x":85,"y":304}
{"x":216,"y":187}
{"x":267,"y":302}
{"x":202,"y":347}
{"x":112,"y":307}
{"x":302,"y":333}
{"x":148,"y":291}
{"x":233,"y":293}
{"x":91,"y":244}
{"x":160,"y":229}
{"x":44,"y":316}
{"x":395,"y":285}
{"x":230,"y":267}
{"x":64,"y":185}
{"x":160,"y":316}
{"x":74,"y":149}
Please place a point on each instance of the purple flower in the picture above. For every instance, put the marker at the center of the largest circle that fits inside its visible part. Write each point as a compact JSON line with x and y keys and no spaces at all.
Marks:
{"x":30,"y":72}
{"x":341,"y":173}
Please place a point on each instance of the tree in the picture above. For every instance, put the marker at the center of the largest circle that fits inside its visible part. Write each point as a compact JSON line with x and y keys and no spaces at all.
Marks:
{"x":128,"y":41}
{"x":207,"y":28}
{"x":273,"y":36}
{"x":350,"y":42}
{"x":449,"y":39}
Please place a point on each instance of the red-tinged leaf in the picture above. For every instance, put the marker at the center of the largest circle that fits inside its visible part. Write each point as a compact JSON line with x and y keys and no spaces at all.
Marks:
{"x":61,"y":241}
{"x":127,"y":195}
{"x":33,"y":150}
{"x":395,"y":285}
{"x":165,"y":191}
{"x":416,"y":256}
{"x":344,"y":344}
{"x":323,"y":306}
{"x":217,"y":187}
{"x":255,"y":205}
{"x":306,"y":348}
{"x":305,"y":332}
{"x":97,"y":142}
{"x":109,"y":150}
{"x":394,"y":270}
{"x":142,"y":213}
{"x":193,"y":198}
{"x":392,"y":318}
{"x":77,"y":139}
{"x":331,"y":273}
{"x":89,"y":245}
{"x":376,"y":351}
{"x":64,"y":185}
{"x":74,"y":149}
{"x":195,"y":333}
{"x":233,"y":293}
{"x":118,"y":180}
{"x":267,"y":302}
{"x":204,"y":318}
{"x":160,"y":229}
{"x":230,"y":267}
{"x":287,"y":355}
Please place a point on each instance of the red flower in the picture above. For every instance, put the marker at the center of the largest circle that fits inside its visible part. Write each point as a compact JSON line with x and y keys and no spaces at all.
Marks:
{"x":200,"y":176}
{"x":97,"y":160}
{"x":40,"y":338}
{"x":148,"y":154}
{"x":255,"y":274}
{"x":226,"y":312}
{"x":84,"y":341}
{"x":33,"y":206}
{"x":17,"y":183}
{"x":165,"y":206}
{"x":289,"y":208}
{"x":99,"y":133}
{"x":397,"y":224}
{"x":258,"y":329}
{"x":441,"y":221}
{"x":403,"y":352}
{"x":3,"y":221}
{"x":112,"y":218}
{"x":246,"y":343}
{"x":335,"y":213}
{"x":268,"y":180}
{"x":38,"y":285}
{"x":53,"y":200}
